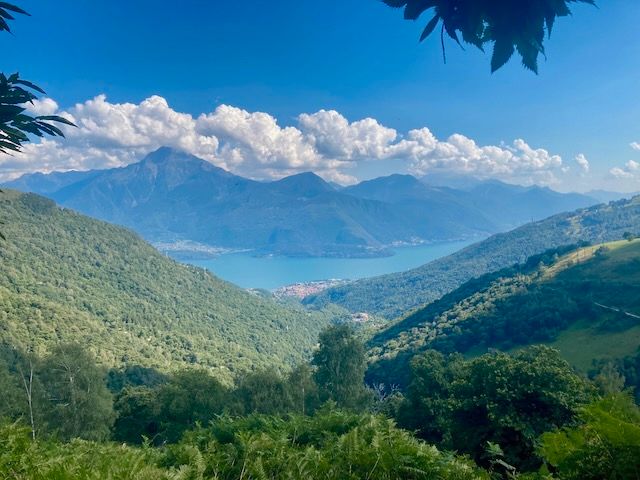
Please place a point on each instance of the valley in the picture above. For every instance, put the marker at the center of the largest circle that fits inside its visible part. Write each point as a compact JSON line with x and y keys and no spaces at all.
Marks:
{"x":314,"y":241}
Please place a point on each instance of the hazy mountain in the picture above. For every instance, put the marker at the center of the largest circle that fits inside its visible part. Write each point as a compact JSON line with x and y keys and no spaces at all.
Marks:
{"x":507,"y":205}
{"x":605,"y":196}
{"x":398,"y":293}
{"x":171,"y":196}
{"x":493,"y":204}
{"x":65,"y":277}
{"x":45,"y":183}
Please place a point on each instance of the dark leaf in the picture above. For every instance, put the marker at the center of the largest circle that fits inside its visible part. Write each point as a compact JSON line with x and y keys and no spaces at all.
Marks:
{"x":502,"y":52}
{"x":415,"y":8}
{"x":56,"y":118}
{"x":13,"y":8}
{"x":430,"y":27}
{"x":33,"y":86}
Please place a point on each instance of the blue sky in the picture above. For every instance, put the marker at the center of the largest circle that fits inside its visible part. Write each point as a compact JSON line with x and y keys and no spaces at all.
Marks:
{"x":357,"y":57}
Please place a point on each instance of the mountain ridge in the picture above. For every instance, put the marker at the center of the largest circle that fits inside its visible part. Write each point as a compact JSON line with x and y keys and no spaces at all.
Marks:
{"x":396,"y":294}
{"x":172,"y":196}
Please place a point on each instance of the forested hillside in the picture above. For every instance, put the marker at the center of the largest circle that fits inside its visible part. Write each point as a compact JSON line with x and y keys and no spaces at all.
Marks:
{"x":396,"y":294}
{"x":68,"y":278}
{"x":585,"y":301}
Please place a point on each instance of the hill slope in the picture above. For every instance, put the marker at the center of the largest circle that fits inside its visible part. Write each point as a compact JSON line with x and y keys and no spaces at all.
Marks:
{"x":586,"y":301}
{"x":394,"y":294}
{"x":65,"y":277}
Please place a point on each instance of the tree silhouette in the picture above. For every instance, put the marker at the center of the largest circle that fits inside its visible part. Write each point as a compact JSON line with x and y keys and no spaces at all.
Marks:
{"x":509,"y":25}
{"x":15,"y":93}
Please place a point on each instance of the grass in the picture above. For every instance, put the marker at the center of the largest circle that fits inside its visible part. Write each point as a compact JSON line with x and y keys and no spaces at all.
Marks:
{"x":583,"y":343}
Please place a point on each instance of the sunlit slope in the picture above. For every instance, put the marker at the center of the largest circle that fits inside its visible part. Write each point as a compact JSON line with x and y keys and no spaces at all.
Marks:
{"x":396,"y":294}
{"x":65,"y":277}
{"x":585,"y":301}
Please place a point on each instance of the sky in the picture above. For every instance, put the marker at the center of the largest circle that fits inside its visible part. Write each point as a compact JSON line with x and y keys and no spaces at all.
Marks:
{"x":267,"y":89}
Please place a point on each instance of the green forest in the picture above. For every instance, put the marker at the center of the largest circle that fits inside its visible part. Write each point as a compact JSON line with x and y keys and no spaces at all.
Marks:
{"x":560,"y":296}
{"x":68,"y":278}
{"x":526,"y":415}
{"x":393,"y":295}
{"x":516,"y":358}
{"x":111,"y":356}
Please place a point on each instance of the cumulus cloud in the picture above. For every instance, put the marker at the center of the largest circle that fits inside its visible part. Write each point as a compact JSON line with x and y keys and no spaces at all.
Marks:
{"x":334,"y":137}
{"x":459,"y":154}
{"x":255,"y":145}
{"x":631,"y":170}
{"x":635,"y":145}
{"x":582,"y":162}
{"x":42,"y":106}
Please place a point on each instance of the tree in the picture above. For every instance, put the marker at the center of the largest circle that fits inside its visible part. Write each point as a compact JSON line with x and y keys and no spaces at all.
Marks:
{"x":263,"y":391}
{"x":340,"y":367}
{"x":302,"y":390}
{"x":628,"y":236}
{"x":15,"y":124}
{"x":605,"y":445}
{"x":510,"y":25}
{"x":80,"y":405}
{"x":189,"y":397}
{"x":509,"y":400}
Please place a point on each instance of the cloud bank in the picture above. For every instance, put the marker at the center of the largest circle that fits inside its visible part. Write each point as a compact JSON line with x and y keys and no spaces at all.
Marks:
{"x":255,"y":145}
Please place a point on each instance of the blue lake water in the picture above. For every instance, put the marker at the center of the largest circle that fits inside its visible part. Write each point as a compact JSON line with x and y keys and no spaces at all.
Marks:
{"x":269,"y":273}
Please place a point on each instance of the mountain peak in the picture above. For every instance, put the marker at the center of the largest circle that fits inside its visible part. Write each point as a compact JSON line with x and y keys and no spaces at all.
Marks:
{"x":165,"y":154}
{"x":306,"y":184}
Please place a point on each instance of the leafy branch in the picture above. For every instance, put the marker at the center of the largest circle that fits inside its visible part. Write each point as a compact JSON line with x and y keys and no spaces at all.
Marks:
{"x":511,"y":26}
{"x":15,"y":93}
{"x":15,"y":124}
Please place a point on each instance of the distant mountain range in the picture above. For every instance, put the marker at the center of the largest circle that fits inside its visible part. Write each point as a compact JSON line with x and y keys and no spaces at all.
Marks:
{"x":397,"y":294}
{"x":171,"y":196}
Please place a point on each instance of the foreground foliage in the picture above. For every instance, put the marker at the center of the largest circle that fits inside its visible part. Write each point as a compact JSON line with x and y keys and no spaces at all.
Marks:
{"x":508,"y":400}
{"x":605,"y":445}
{"x":331,"y":445}
{"x":15,"y":123}
{"x":510,"y":26}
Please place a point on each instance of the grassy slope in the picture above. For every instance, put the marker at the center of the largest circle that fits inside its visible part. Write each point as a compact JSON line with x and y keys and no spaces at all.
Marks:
{"x":66,"y":277}
{"x":396,"y":294}
{"x":559,"y":298}
{"x":585,"y":341}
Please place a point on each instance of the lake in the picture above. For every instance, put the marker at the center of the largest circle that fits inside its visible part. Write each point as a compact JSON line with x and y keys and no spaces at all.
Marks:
{"x":270,"y":273}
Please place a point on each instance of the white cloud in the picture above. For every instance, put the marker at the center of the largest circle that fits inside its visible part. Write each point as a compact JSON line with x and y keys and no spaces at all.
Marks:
{"x":620,"y":173}
{"x":334,"y":137}
{"x":582,"y":162}
{"x":460,"y":154}
{"x":635,"y":145}
{"x":253,"y":144}
{"x":631,"y":170}
{"x":43,"y":106}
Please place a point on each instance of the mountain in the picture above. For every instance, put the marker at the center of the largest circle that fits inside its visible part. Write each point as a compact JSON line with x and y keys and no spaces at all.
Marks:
{"x":66,"y":277}
{"x":509,"y":206}
{"x":585,"y":301}
{"x":606,"y":196}
{"x":490,"y":204}
{"x":394,"y":294}
{"x":171,"y":196}
{"x":46,"y":183}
